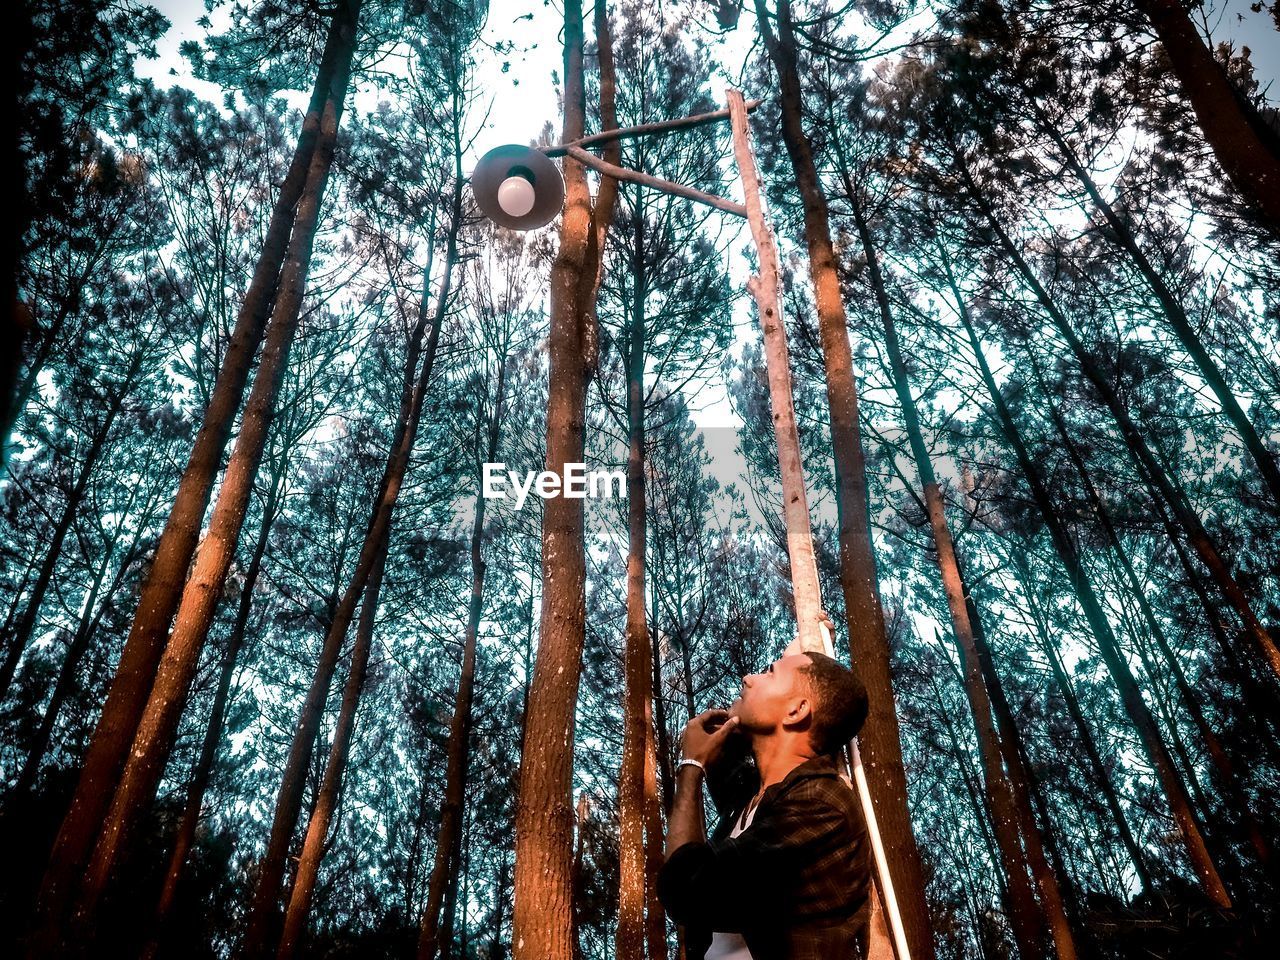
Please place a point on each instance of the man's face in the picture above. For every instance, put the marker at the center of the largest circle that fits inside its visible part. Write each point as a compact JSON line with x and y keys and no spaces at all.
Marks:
{"x":772,"y":696}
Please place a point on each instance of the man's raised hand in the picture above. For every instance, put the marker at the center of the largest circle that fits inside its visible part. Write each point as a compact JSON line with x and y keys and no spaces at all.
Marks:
{"x":705,"y":734}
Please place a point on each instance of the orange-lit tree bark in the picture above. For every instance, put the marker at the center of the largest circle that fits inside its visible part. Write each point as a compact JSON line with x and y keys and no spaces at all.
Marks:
{"x":163,"y":587}
{"x":655,"y":916}
{"x":1130,"y":694}
{"x":297,"y":417}
{"x":812,"y":626}
{"x":636,"y":717}
{"x":1247,"y":149}
{"x":662,"y":797}
{"x":445,"y":866}
{"x":178,"y":665}
{"x":637,"y":820}
{"x":124,"y":726}
{"x":638,"y":815}
{"x":542,"y":919}
{"x":200,"y":774}
{"x":606,"y":194}
{"x":262,"y":928}
{"x":1197,"y":536}
{"x":1025,"y":914}
{"x":868,"y":646}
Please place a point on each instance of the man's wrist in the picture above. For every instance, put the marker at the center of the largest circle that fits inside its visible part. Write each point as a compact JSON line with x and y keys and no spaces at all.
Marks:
{"x":689,"y":763}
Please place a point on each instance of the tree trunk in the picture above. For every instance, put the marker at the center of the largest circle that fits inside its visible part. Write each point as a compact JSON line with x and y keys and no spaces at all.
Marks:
{"x":328,"y":798}
{"x":203,"y":770}
{"x":542,"y":919}
{"x":633,"y":881}
{"x":452,"y":812}
{"x":880,"y":740}
{"x":103,"y":240}
{"x":977,"y":799}
{"x":451,"y":898}
{"x":1177,"y":317}
{"x":90,"y":617}
{"x":1021,"y":783}
{"x":655,"y":916}
{"x":1259,"y":697}
{"x":1222,"y":764}
{"x":15,"y":600}
{"x":1256,"y":693}
{"x":415,"y":853}
{"x":1024,"y":913}
{"x":75,"y":496}
{"x":497,"y":949}
{"x":127,"y":699}
{"x":466,"y":878}
{"x":1130,"y":694}
{"x":181,"y":658}
{"x":1163,"y":702}
{"x":1196,"y":534}
{"x":263,"y":923}
{"x":583,"y":814}
{"x":606,"y":196}
{"x":66,"y":674}
{"x":1246,"y":151}
{"x":1087,"y":740}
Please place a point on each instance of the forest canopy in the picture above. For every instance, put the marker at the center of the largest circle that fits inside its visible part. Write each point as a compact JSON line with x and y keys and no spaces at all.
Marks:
{"x":280,"y":676}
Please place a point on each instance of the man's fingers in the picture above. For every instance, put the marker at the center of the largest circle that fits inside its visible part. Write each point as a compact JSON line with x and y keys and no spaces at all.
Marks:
{"x":708,"y":717}
{"x":725,"y":729}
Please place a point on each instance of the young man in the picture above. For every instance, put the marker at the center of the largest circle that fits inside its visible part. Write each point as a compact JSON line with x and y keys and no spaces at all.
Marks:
{"x":785,"y":875}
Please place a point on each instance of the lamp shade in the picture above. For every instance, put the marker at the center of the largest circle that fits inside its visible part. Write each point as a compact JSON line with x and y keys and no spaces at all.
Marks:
{"x":501,"y":184}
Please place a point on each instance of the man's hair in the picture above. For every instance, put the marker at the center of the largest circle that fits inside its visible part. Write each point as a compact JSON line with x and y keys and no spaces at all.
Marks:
{"x":840,"y":703}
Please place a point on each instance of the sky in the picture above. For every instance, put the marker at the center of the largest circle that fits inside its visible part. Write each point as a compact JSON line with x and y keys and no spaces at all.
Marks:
{"x":1236,"y":22}
{"x":522,"y":109}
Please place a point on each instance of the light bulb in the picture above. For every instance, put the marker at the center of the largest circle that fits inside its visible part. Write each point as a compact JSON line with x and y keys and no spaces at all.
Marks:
{"x":515,"y":196}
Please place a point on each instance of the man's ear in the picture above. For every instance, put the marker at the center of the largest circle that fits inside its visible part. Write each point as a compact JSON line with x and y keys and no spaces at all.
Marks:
{"x":799,"y":714}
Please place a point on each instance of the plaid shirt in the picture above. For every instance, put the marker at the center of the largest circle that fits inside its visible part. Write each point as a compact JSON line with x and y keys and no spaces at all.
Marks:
{"x":795,"y":884}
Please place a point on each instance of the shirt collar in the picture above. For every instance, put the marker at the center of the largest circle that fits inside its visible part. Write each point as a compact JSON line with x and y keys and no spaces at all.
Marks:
{"x":819,"y":766}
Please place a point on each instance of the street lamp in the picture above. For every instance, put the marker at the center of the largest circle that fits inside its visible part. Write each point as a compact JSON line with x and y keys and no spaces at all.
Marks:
{"x":517,"y":187}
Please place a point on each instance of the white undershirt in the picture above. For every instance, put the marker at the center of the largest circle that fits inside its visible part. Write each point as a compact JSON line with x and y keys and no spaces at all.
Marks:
{"x":731,"y":946}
